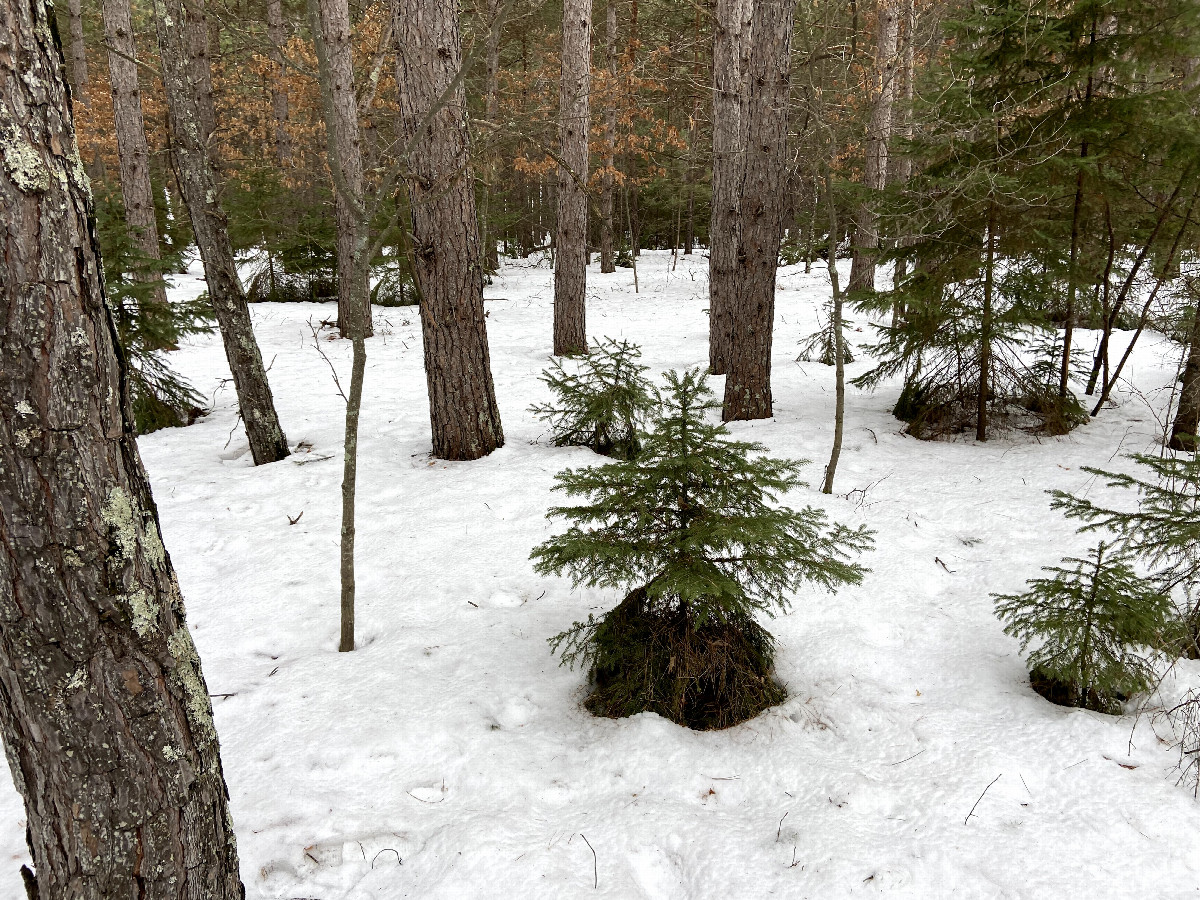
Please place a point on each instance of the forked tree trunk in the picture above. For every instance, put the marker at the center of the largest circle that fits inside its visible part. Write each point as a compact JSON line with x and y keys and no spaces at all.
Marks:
{"x":879,"y":133}
{"x":77,"y":51}
{"x":331,"y":23}
{"x":446,"y":256}
{"x":277,"y":35}
{"x":607,"y":181}
{"x":104,"y":711}
{"x":198,"y":185}
{"x":132,"y":150}
{"x":570,"y":259}
{"x":762,"y":191}
{"x":729,"y":90}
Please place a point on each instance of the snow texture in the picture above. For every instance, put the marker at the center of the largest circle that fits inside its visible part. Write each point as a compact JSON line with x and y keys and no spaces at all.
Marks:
{"x":449,"y":757}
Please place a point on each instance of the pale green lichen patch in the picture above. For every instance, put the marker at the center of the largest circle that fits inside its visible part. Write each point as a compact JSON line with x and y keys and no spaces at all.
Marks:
{"x":22,"y":162}
{"x":196,"y":702}
{"x":118,"y":516}
{"x":144,"y":610}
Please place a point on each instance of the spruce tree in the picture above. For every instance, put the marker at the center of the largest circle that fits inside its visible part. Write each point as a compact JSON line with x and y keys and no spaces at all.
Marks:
{"x":1088,"y":622}
{"x":602,"y":404}
{"x":693,"y":531}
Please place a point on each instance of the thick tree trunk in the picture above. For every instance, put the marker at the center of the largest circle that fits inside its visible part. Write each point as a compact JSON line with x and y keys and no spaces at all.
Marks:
{"x":277,"y":35}
{"x":104,"y":711}
{"x":607,"y":182}
{"x":762,"y":191}
{"x":570,"y":260}
{"x":879,"y":133}
{"x":446,"y":255}
{"x":730,"y":37}
{"x":199,"y":188}
{"x":1186,"y":427}
{"x":77,"y":51}
{"x":132,"y":150}
{"x":200,"y":69}
{"x":331,"y":21}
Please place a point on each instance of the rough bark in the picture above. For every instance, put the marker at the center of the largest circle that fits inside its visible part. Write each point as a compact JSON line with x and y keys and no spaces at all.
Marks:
{"x":762,"y":191}
{"x":277,"y":35}
{"x":571,"y":255}
{"x":104,"y":711}
{"x":903,"y":164}
{"x":197,"y":183}
{"x":729,"y":94}
{"x":491,"y":109}
{"x":77,"y":51}
{"x":200,"y":67}
{"x":1186,"y":426}
{"x":335,"y":61}
{"x":133,"y":152}
{"x":446,"y":255}
{"x":879,"y":133}
{"x":607,"y":181}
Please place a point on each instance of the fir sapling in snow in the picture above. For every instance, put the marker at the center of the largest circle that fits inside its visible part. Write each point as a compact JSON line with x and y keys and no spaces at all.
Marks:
{"x":602,"y":403}
{"x":1089,"y":623}
{"x":692,"y":532}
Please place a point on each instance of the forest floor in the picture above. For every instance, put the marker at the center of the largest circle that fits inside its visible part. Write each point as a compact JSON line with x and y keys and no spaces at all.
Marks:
{"x":449,"y":757}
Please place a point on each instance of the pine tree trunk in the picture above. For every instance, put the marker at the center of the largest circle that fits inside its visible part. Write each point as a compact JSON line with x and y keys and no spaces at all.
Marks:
{"x":447,"y":260}
{"x":104,"y":712}
{"x":200,"y":71}
{"x":607,"y":182}
{"x":199,"y":188}
{"x":491,"y":106}
{"x":570,"y":260}
{"x":332,"y":23}
{"x":1186,"y":426}
{"x":762,"y":191}
{"x":78,"y":52}
{"x":277,"y":35}
{"x":729,"y":94}
{"x":866,"y":230}
{"x":132,"y":150}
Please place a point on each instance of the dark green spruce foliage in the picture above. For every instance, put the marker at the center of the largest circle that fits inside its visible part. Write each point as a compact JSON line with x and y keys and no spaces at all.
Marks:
{"x":1162,"y":529}
{"x":1088,"y":622}
{"x":692,"y":531}
{"x":146,"y":327}
{"x":603,"y":403}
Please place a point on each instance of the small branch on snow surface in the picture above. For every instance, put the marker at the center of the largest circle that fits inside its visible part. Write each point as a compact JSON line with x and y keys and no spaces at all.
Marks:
{"x":981,"y":796}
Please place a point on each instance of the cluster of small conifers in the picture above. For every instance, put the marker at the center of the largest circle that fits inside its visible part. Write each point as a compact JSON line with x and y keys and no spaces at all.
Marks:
{"x":687,"y":523}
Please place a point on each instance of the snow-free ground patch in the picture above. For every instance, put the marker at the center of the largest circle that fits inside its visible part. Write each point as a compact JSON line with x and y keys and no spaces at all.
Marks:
{"x":449,"y":757}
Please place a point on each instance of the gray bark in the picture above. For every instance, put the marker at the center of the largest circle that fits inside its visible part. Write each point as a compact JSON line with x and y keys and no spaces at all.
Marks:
{"x":77,"y":51}
{"x":839,"y":340}
{"x":133,"y":152}
{"x":571,"y":255}
{"x":760,"y":217}
{"x":730,"y":39}
{"x":277,"y":35}
{"x":104,"y":711}
{"x":195,"y":28}
{"x":491,"y":110}
{"x":446,"y":255}
{"x":607,"y":181}
{"x":197,"y":183}
{"x":1186,"y":425}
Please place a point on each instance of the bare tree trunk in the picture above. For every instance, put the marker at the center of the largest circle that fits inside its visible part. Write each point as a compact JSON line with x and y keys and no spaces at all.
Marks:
{"x":198,"y":185}
{"x":729,"y":97}
{"x":839,"y":342}
{"x":78,"y":51}
{"x":570,"y":260}
{"x":104,"y":711}
{"x":986,"y":326}
{"x":331,"y":24}
{"x":277,"y":35}
{"x":446,"y":256}
{"x":866,"y":231}
{"x":762,"y":191}
{"x":200,"y":70}
{"x":903,"y":167}
{"x":491,"y":106}
{"x":607,"y":190}
{"x":1186,"y":427}
{"x":132,"y":150}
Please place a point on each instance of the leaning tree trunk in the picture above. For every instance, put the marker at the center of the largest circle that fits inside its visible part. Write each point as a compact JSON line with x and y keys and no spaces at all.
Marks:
{"x":866,"y":225}
{"x":104,"y":711}
{"x":133,"y":152}
{"x":762,"y":192}
{"x":331,"y":24}
{"x":571,"y":255}
{"x":729,"y":89}
{"x":607,"y":180}
{"x":446,"y":255}
{"x":277,"y":35}
{"x":198,"y":185}
{"x":1186,"y":426}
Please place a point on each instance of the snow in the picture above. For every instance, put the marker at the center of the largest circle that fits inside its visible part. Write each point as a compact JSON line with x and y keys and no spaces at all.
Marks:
{"x":449,"y":757}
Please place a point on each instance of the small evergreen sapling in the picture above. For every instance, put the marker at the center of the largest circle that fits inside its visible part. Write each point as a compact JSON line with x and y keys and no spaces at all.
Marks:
{"x":603,"y":404}
{"x":692,"y":530}
{"x":1089,"y":620}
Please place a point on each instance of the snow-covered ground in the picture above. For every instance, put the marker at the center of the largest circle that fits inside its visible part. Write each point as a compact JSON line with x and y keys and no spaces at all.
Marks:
{"x":448,"y":757}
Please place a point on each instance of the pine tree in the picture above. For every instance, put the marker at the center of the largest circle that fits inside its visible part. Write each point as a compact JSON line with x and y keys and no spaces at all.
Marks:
{"x":693,"y":530}
{"x":1089,"y":620}
{"x":603,"y":404}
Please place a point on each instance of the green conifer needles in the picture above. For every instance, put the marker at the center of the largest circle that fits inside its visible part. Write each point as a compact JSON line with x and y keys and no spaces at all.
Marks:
{"x":1090,"y":620}
{"x":693,"y":530}
{"x":602,"y":404}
